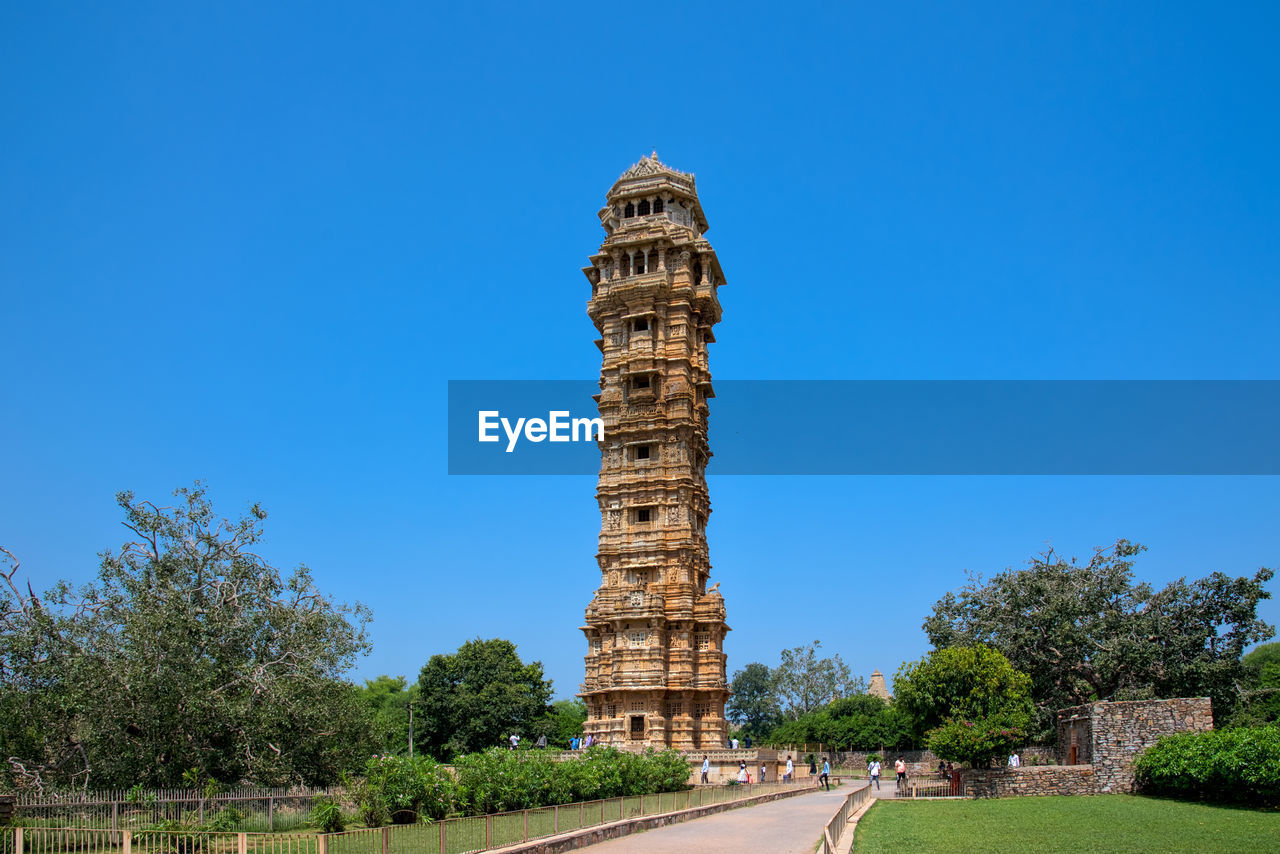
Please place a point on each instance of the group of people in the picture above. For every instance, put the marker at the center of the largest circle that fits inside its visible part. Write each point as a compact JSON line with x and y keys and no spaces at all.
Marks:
{"x":514,"y":741}
{"x":899,"y":768}
{"x":581,"y":743}
{"x":744,"y":775}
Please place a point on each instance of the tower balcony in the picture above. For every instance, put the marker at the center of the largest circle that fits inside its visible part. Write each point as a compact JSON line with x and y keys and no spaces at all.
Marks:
{"x":619,"y":289}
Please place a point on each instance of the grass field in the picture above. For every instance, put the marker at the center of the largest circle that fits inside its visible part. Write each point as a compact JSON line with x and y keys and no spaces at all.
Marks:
{"x":1065,"y":825}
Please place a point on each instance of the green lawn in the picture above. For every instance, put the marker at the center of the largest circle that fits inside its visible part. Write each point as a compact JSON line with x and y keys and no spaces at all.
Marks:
{"x":1065,"y":825}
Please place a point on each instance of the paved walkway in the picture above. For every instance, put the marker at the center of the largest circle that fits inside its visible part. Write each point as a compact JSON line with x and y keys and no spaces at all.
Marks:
{"x":788,"y":826}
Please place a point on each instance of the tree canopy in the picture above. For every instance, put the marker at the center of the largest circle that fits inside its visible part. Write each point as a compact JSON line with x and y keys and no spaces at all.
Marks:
{"x":388,"y":699}
{"x":753,"y":702}
{"x":1090,"y":632}
{"x":476,"y":697}
{"x":968,"y":701}
{"x":805,"y":682}
{"x":1260,"y":702}
{"x":190,"y":652}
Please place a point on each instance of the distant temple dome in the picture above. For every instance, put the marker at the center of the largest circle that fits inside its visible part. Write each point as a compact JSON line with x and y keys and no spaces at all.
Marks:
{"x":877,"y":686}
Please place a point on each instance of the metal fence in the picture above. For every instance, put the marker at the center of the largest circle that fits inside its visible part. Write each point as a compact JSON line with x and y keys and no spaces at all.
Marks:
{"x":450,"y":836}
{"x":921,"y":787}
{"x":835,"y":828}
{"x":243,"y":809}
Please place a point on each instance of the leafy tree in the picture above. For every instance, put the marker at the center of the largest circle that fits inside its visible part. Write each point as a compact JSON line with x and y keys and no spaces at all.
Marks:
{"x":860,"y":722}
{"x":1261,"y":697}
{"x":753,"y":704}
{"x":1088,"y":632}
{"x":190,"y":652}
{"x":476,"y":697}
{"x":388,"y":699}
{"x":961,"y":682}
{"x":968,"y":701}
{"x":806,"y":682}
{"x":563,"y":721}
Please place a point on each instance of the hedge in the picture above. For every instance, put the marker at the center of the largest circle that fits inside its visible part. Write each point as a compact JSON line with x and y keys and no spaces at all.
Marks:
{"x":1240,"y":765}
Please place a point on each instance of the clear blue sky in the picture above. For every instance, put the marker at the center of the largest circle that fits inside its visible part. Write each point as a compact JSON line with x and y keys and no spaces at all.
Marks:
{"x":251,"y":243}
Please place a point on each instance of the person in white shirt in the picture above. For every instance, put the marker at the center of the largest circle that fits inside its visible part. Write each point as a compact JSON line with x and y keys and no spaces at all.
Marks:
{"x":706,"y":768}
{"x":791,"y":770}
{"x":1014,"y":760}
{"x":874,"y":768}
{"x":733,"y":743}
{"x":515,"y":741}
{"x":742,"y":772}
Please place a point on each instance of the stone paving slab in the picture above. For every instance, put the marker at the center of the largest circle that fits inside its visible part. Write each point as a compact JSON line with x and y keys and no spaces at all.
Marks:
{"x":791,"y":826}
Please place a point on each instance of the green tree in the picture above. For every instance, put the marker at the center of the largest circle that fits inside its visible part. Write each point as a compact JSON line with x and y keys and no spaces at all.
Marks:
{"x":478,"y":696}
{"x":190,"y":653}
{"x":753,"y":701}
{"x":968,"y":702}
{"x":564,"y":720}
{"x":805,"y":682}
{"x":1261,"y":694}
{"x":1089,"y":632}
{"x":388,"y":699}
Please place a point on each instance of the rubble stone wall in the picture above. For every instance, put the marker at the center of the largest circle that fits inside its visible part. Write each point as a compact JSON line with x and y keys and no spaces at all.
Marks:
{"x":1108,"y":737}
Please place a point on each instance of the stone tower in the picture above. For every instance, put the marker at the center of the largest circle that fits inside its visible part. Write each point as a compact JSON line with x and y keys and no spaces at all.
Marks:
{"x":877,"y":687}
{"x":655,"y":664}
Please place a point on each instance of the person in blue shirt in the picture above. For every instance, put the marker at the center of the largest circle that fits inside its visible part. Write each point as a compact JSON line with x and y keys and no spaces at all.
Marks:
{"x":825,"y":779}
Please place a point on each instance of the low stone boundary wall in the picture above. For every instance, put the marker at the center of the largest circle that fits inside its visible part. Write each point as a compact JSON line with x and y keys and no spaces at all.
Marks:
{"x":1034,"y":780}
{"x":600,"y":833}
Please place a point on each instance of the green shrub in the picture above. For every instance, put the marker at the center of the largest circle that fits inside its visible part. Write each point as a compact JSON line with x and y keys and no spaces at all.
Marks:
{"x":400,"y":790}
{"x":1241,"y":765}
{"x":226,"y":820}
{"x":327,"y":816}
{"x":498,"y":780}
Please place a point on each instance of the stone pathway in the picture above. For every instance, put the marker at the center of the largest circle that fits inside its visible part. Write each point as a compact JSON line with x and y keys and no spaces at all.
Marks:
{"x":789,"y":826}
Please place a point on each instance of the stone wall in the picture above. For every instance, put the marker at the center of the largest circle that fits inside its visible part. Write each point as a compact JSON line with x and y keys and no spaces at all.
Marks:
{"x":1104,"y":739}
{"x":1122,"y":731}
{"x":1033,"y":780}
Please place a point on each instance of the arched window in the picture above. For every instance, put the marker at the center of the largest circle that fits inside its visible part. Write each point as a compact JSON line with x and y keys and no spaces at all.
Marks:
{"x":644,"y":208}
{"x":657,"y":206}
{"x":629,"y":211}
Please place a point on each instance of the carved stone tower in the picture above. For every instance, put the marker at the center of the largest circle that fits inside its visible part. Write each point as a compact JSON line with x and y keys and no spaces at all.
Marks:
{"x":655,"y":664}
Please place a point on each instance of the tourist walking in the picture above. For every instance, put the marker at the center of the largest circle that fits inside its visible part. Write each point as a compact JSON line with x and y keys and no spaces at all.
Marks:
{"x":706,"y":768}
{"x":763,"y":769}
{"x":826,"y":773}
{"x":791,"y":770}
{"x":813,"y":770}
{"x":901,"y":768}
{"x":743,"y":776}
{"x":541,"y":742}
{"x":874,"y":769}
{"x":1015,"y":760}
{"x":515,"y":741}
